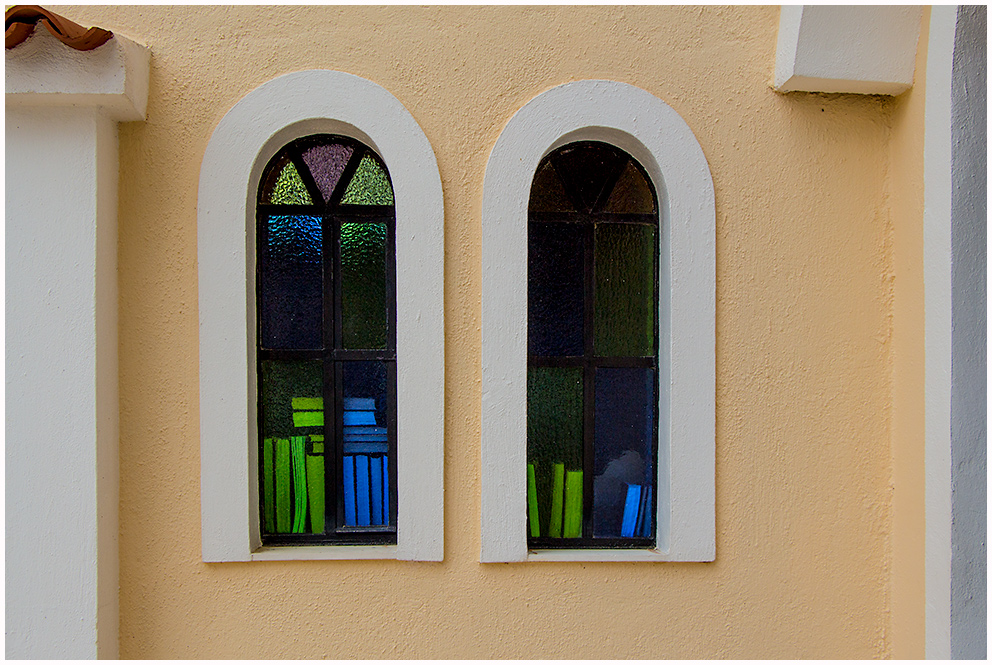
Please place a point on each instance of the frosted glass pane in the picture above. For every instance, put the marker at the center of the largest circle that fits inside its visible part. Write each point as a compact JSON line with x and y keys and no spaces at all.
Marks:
{"x":554,"y":289}
{"x":326,"y":162}
{"x":363,"y":285}
{"x":370,"y":185}
{"x":625,"y":290}
{"x":547,"y":194}
{"x":632,"y":193}
{"x":554,"y":438}
{"x":624,"y":473}
{"x":291,"y":284}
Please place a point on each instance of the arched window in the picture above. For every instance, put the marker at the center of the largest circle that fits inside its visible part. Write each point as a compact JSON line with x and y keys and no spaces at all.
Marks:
{"x":598,"y":337}
{"x":316,"y":189}
{"x":592,"y":345}
{"x":326,"y":344}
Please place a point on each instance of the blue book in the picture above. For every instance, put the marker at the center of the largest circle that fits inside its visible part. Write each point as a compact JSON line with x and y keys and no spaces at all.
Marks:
{"x":352,"y":431}
{"x":358,"y":418}
{"x":362,"y":490}
{"x":376,"y":483}
{"x":349,"y":490}
{"x":359,"y":404}
{"x":365,"y":447}
{"x":630,"y":509}
{"x":645,"y":521}
{"x":385,"y":489}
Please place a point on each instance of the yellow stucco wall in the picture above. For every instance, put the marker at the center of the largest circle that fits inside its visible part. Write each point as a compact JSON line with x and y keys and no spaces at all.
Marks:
{"x":804,"y":351}
{"x":908,"y":481}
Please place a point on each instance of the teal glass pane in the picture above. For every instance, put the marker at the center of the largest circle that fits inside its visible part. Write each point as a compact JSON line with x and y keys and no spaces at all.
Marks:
{"x":554,"y":441}
{"x":363,"y":285}
{"x":370,"y":185}
{"x":625,"y":290}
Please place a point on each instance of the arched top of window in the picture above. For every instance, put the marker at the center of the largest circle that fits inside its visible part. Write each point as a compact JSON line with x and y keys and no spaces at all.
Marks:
{"x":326,"y":170}
{"x":592,"y":177}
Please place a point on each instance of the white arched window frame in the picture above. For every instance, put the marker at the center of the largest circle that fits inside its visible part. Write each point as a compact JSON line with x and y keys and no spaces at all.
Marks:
{"x":248,"y":136}
{"x":656,"y":136}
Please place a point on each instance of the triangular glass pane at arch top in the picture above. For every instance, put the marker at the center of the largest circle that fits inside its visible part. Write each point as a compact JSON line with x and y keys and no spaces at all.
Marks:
{"x":588,"y":166}
{"x":284,"y":185}
{"x":369,"y":186}
{"x":326,"y":163}
{"x":547,"y":194}
{"x":632,"y":193}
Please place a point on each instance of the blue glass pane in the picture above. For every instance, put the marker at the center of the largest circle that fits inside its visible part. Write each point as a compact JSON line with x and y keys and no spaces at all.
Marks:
{"x":554,"y":289}
{"x":291,"y":288}
{"x":623,"y":486}
{"x":366,"y":444}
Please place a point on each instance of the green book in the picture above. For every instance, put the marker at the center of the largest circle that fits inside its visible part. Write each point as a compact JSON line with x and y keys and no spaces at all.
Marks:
{"x":298,"y":446}
{"x":268,"y":487}
{"x":315,"y":488}
{"x":535,"y":527}
{"x":283,"y":478}
{"x":573,"y":505}
{"x":557,"y":499}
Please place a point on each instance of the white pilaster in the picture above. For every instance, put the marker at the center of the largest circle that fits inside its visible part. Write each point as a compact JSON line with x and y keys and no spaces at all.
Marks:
{"x":62,"y":108}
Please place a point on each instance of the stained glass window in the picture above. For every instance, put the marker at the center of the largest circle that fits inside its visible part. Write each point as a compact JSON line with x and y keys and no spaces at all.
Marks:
{"x":326,"y":345}
{"x":592,"y":338}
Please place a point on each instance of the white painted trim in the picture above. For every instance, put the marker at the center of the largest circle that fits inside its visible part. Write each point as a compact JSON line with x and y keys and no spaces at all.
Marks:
{"x":654,"y":134}
{"x":42,"y":71}
{"x":857,"y":49}
{"x":937,"y":317}
{"x":250,"y":133}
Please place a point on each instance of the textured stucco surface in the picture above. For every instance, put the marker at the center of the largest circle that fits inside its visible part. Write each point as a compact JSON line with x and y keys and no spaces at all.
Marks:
{"x":804,"y":302}
{"x":905,"y":198}
{"x":968,"y":338}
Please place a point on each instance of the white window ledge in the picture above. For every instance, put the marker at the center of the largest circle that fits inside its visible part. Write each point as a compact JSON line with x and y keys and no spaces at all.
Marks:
{"x":656,"y":136}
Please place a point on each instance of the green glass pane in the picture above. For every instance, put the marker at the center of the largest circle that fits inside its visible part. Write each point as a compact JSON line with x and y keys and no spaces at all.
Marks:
{"x":370,"y":185}
{"x":547,"y":194}
{"x":625,"y":290}
{"x":554,"y":438}
{"x":281,"y":382}
{"x":285,"y":501}
{"x":363,"y":285}
{"x":632,"y":193}
{"x":284,"y":186}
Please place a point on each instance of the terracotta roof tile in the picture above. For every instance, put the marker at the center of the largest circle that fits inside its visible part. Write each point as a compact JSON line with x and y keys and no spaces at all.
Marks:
{"x":21,"y":19}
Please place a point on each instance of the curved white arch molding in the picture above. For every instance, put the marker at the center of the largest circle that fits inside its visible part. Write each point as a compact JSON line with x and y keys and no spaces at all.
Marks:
{"x":246,"y":138}
{"x":653,"y":133}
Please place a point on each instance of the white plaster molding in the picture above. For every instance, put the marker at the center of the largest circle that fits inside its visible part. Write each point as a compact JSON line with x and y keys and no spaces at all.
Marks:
{"x":859,"y":49}
{"x":113,"y":77}
{"x":937,"y":321}
{"x":246,"y":138}
{"x":654,"y":134}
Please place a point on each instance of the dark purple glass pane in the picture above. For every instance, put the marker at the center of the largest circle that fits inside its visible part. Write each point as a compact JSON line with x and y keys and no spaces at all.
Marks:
{"x":326,"y":162}
{"x":588,"y":166}
{"x":291,"y":285}
{"x":554,"y":289}
{"x":625,"y":399}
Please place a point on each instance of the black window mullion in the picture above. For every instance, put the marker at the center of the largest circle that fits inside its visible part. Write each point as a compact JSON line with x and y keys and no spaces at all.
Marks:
{"x":610,"y":184}
{"x":296,"y":155}
{"x":346,"y":173}
{"x":588,"y":381}
{"x":337,"y":386}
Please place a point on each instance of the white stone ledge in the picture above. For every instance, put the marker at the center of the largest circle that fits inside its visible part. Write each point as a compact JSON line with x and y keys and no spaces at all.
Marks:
{"x":866,"y":50}
{"x":42,"y":71}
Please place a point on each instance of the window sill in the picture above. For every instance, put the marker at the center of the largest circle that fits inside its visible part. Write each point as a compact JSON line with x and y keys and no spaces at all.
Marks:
{"x":324,"y":553}
{"x":598,"y":555}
